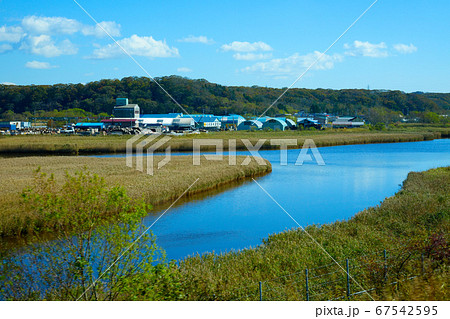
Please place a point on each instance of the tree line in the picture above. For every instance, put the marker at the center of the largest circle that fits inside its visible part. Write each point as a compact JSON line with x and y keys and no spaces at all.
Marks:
{"x":201,"y":96}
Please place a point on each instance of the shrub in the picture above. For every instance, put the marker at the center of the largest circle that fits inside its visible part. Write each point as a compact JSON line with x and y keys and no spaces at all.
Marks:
{"x":101,"y":250}
{"x":379,"y":126}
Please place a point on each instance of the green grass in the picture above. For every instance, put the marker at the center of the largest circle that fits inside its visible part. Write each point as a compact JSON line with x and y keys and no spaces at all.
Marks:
{"x":72,"y":145}
{"x":406,"y":224}
{"x":415,"y":221}
{"x":165,"y":185}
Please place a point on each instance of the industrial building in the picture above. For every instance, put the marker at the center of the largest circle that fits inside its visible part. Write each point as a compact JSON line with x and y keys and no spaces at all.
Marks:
{"x":164,"y":124}
{"x":291,"y":124}
{"x":14,"y":125}
{"x":250,"y":125}
{"x":154,"y":122}
{"x":275,"y":124}
{"x":323,"y":119}
{"x":205,"y":121}
{"x":125,"y":110}
{"x":161,"y":116}
{"x":120,"y":122}
{"x":231,"y":122}
{"x":307,"y":122}
{"x":128,"y":115}
{"x":86,"y":126}
{"x":183,"y":124}
{"x":261,"y":119}
{"x":346,"y":122}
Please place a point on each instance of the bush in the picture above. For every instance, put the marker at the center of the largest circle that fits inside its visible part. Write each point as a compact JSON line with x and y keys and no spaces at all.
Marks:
{"x":101,"y":250}
{"x":379,"y":126}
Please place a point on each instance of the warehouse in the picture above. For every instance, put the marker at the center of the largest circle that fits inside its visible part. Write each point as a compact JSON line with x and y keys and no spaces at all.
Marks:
{"x":129,"y":122}
{"x":162,"y":116}
{"x":86,"y":126}
{"x":7,"y":126}
{"x":274,"y":124}
{"x":14,"y":125}
{"x":308,"y":122}
{"x":151,"y":122}
{"x":125,"y":110}
{"x":183,"y":124}
{"x":290,"y":123}
{"x":262,"y":119}
{"x":231,"y":122}
{"x":205,"y":121}
{"x":211,"y":124}
{"x":250,"y":125}
{"x":346,"y":122}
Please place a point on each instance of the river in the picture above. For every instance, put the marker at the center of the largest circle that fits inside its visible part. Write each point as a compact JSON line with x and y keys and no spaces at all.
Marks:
{"x":353,"y":178}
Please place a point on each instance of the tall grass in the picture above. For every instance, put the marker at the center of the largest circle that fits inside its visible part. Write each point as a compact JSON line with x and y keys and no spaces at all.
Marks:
{"x":74,"y":145}
{"x":406,"y":222}
{"x":415,"y":221}
{"x":166,"y":184}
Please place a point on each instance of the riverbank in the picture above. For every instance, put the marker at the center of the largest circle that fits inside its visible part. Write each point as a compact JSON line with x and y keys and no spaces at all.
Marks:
{"x":412,"y":226}
{"x":26,"y":145}
{"x":396,"y":251}
{"x":164,"y":186}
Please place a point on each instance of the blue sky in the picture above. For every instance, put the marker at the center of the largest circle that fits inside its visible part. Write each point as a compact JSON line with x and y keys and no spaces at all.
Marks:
{"x":398,"y":45}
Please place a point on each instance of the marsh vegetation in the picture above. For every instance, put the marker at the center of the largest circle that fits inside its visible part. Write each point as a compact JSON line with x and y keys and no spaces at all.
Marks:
{"x":415,"y":221}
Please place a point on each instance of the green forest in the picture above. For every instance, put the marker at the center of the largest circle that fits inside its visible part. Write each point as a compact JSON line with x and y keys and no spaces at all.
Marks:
{"x":200,"y":96}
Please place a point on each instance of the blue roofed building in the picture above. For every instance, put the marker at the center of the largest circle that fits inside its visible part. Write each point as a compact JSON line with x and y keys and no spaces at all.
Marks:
{"x":85,"y":126}
{"x":250,"y":125}
{"x":275,"y":124}
{"x":262,"y":119}
{"x":290,"y":123}
{"x":231,"y":121}
{"x":205,"y":121}
{"x":168,"y":115}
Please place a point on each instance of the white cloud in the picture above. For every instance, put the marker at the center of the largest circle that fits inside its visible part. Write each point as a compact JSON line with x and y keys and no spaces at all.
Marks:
{"x":45,"y":46}
{"x":61,"y":25}
{"x":5,"y":47}
{"x":11,"y":34}
{"x":199,"y":39}
{"x":295,"y":64}
{"x":238,"y":46}
{"x":404,"y":48}
{"x":184,"y":70}
{"x":8,"y":83}
{"x":110,"y":27}
{"x":36,"y":34}
{"x":252,"y":56}
{"x":359,"y":48}
{"x":50,"y":25}
{"x":138,"y":46}
{"x":39,"y":65}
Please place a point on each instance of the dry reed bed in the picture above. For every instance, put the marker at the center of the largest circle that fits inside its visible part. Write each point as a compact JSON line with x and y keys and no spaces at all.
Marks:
{"x":70,"y":145}
{"x":165,"y":185}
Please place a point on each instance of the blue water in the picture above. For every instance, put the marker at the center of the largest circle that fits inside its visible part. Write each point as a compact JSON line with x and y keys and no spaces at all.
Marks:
{"x":354,"y":177}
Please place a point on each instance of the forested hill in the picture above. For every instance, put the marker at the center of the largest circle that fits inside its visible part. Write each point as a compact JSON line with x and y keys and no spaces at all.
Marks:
{"x":199,"y":96}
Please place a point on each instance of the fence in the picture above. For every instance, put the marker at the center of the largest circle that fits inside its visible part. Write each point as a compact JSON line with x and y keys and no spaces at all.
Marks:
{"x":357,"y":278}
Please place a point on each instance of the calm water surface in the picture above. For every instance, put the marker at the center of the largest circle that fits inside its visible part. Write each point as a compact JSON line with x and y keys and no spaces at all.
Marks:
{"x":354,"y":177}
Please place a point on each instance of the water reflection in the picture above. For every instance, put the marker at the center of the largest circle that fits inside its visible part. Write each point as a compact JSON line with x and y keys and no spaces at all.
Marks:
{"x":355,"y":177}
